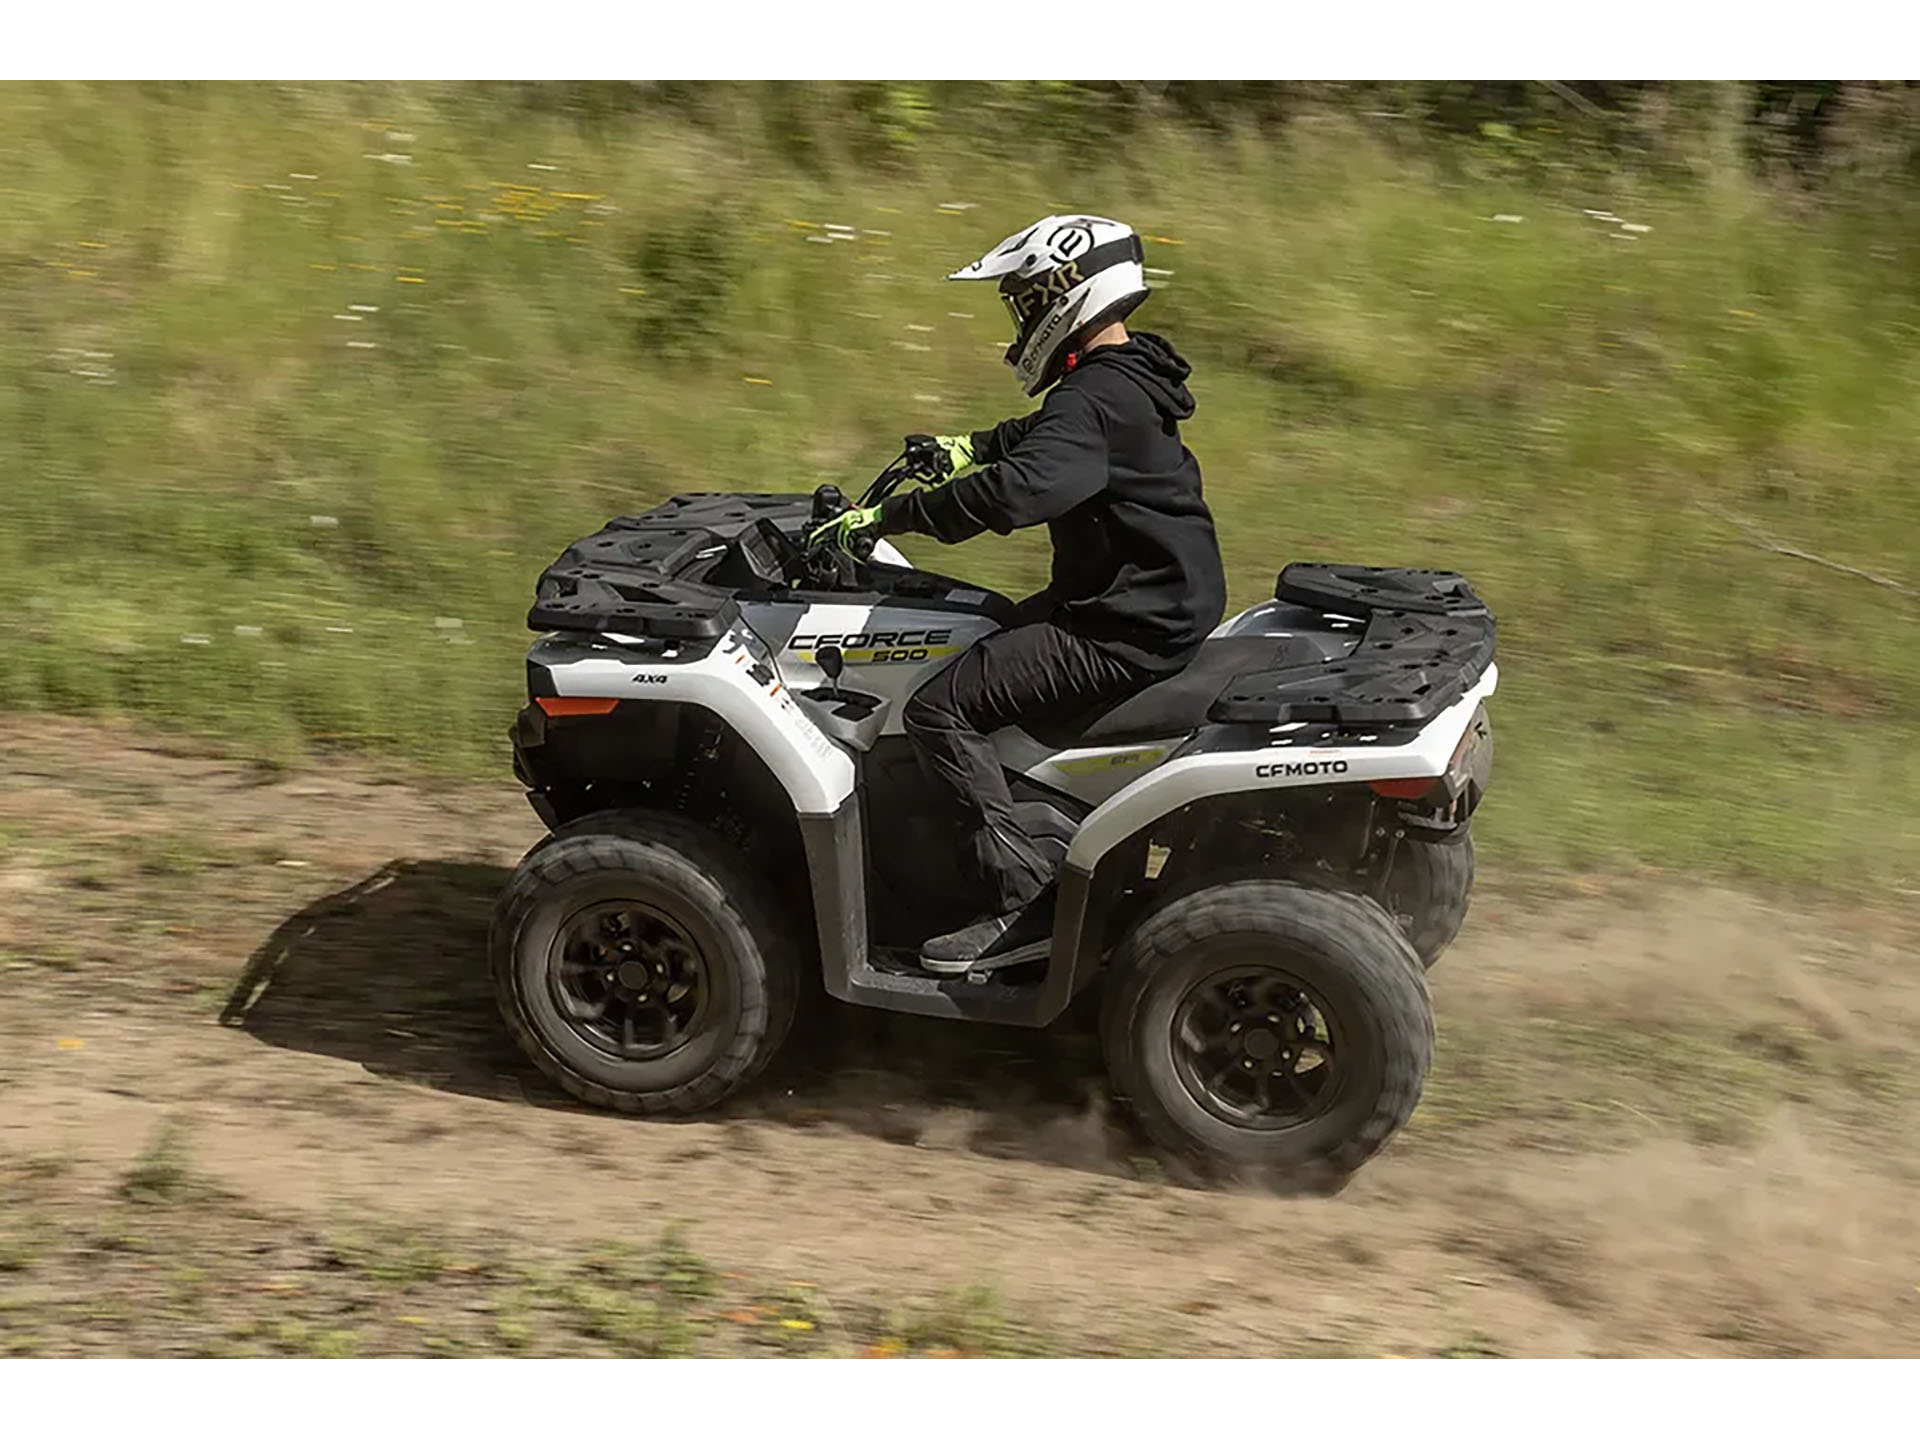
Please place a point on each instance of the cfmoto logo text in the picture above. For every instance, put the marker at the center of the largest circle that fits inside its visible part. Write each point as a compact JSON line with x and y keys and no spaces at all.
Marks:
{"x":1300,"y":767}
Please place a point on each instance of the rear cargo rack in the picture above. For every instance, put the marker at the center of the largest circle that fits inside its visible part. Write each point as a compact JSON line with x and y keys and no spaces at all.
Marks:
{"x":1363,"y":589}
{"x":1428,"y":640}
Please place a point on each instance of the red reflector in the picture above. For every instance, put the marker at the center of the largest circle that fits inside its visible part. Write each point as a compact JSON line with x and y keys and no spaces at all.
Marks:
{"x":576,"y":704}
{"x":1403,"y":789}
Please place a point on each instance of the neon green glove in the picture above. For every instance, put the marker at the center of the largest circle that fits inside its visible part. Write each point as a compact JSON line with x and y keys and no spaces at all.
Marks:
{"x":944,"y":454}
{"x":839,"y":532}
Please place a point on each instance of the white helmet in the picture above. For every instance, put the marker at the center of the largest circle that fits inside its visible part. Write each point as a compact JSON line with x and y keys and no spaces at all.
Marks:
{"x":1062,"y":278}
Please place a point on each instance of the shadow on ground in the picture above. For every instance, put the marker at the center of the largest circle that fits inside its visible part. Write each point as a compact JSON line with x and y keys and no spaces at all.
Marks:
{"x":391,"y":973}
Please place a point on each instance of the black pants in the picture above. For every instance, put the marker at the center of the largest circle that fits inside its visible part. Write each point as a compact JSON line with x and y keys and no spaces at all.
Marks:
{"x":1034,"y":671}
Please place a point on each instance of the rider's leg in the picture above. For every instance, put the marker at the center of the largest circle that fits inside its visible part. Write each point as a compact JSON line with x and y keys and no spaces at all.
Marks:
{"x":1026,"y":673}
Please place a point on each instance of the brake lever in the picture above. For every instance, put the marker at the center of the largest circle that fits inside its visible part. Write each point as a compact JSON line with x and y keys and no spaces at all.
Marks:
{"x":899,"y":470}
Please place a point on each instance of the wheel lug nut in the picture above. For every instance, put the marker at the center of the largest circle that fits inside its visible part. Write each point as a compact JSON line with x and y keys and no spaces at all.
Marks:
{"x":1234,"y":1028}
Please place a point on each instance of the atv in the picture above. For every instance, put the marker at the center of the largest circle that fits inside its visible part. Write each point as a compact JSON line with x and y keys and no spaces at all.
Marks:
{"x":1259,"y":855}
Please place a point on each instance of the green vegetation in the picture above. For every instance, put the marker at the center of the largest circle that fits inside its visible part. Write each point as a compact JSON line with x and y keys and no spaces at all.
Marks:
{"x":301,"y":386}
{"x":970,"y":1321}
{"x":160,"y":1174}
{"x":1711,"y":1080}
{"x":76,"y":1280}
{"x":389,"y":1255}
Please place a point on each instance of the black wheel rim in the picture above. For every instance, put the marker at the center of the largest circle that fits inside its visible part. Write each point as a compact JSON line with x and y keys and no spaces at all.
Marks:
{"x":1256,"y":1048}
{"x":629,"y":980}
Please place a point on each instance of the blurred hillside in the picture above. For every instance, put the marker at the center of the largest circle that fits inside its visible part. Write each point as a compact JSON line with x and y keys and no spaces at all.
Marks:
{"x":300,"y":387}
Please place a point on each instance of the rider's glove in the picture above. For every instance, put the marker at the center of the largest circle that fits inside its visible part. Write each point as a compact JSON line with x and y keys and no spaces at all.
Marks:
{"x":840,"y":532}
{"x":943,"y":454}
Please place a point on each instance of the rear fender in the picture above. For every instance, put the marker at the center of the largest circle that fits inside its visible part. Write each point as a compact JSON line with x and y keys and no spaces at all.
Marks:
{"x":1107,"y":855}
{"x":1185,"y":779}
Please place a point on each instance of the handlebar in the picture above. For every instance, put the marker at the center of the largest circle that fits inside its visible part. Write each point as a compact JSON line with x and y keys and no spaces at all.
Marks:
{"x":902,"y":468}
{"x":819,"y":566}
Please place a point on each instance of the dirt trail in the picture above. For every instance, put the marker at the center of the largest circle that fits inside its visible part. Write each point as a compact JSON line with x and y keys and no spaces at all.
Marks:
{"x":1662,"y":1120}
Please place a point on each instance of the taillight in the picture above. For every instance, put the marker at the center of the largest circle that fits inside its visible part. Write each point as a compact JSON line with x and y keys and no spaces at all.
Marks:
{"x":1413,"y":789}
{"x":576,"y":704}
{"x":1420,"y":786}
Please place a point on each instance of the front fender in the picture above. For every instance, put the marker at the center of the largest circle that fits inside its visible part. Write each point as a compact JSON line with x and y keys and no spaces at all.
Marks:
{"x":733,"y":681}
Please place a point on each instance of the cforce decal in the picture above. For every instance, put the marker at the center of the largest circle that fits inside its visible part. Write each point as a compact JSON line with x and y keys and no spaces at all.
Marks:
{"x":879,"y":647}
{"x":861,"y":639}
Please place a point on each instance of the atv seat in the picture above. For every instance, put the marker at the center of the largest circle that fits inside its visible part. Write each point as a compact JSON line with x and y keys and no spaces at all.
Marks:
{"x":1179,"y":703}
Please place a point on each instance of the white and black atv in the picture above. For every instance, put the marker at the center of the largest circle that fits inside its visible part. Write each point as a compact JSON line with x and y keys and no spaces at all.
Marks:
{"x":1259,"y":854}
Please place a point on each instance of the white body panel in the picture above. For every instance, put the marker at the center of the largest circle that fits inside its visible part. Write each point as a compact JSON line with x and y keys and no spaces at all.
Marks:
{"x":817,"y":773}
{"x":1277,"y":765}
{"x":890,"y":650}
{"x":1130,"y":785}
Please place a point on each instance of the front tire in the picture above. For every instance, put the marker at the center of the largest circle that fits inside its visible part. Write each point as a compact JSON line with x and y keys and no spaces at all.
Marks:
{"x":1268,"y":1032}
{"x":636,"y":963}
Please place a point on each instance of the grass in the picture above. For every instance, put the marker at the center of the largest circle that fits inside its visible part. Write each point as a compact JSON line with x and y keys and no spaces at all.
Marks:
{"x":218,"y":1278}
{"x":1708,"y":1079}
{"x":390,"y":1256}
{"x":639,"y":1301}
{"x":288,"y":426}
{"x":968,"y":1321}
{"x":22,"y":1238}
{"x":172,"y":855}
{"x":160,"y":1174}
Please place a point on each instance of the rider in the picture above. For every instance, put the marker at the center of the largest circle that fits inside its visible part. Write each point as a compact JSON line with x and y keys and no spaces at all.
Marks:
{"x":1137,"y":581}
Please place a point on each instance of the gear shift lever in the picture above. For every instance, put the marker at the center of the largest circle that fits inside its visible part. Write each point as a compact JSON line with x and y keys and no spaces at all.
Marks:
{"x":831,"y":663}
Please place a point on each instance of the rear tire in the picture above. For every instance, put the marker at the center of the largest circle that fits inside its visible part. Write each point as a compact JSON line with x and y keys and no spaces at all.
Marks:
{"x":1427,"y":893}
{"x":650,"y":916}
{"x":1316,"y":1070}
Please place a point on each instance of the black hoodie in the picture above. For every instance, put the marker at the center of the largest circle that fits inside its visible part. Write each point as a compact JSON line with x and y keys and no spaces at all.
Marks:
{"x":1136,"y":566}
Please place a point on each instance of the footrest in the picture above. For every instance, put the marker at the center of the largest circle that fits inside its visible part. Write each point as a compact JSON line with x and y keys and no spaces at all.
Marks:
{"x":977,"y":971}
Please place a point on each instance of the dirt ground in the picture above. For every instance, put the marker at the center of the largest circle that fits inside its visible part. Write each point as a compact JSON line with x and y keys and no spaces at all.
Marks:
{"x":254,"y":1099}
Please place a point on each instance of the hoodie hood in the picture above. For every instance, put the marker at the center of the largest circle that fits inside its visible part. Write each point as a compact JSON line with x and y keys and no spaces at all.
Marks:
{"x":1154,"y":365}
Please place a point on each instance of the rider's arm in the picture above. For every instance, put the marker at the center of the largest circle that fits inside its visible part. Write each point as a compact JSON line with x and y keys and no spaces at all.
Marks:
{"x":1057,"y":459}
{"x":997,"y":441}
